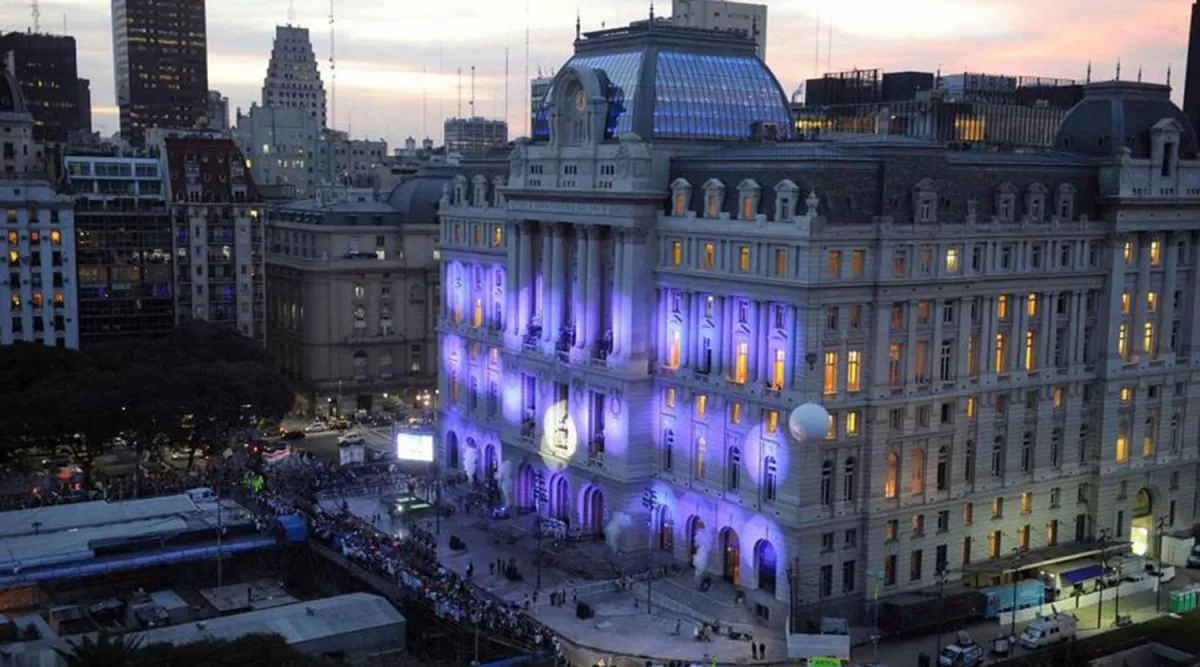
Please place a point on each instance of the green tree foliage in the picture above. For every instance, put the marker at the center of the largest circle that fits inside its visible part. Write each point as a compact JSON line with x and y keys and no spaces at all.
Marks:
{"x":198,"y":385}
{"x":105,"y":650}
{"x":257,"y":650}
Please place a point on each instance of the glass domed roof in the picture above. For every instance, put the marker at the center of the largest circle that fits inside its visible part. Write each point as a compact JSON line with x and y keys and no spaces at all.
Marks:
{"x":662,"y":82}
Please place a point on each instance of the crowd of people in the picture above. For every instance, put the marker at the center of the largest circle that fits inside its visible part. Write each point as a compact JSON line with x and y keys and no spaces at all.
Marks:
{"x":59,"y":491}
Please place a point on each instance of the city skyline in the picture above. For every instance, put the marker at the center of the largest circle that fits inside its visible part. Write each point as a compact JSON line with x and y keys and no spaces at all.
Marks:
{"x":387,"y":67}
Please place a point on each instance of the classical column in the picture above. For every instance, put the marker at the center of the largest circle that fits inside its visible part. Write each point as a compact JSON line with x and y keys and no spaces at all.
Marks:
{"x":620,"y":297}
{"x":544,"y":298}
{"x":510,"y":318}
{"x":1049,"y":331}
{"x":1141,"y":313}
{"x":962,"y":363}
{"x":558,"y":286}
{"x":525,"y":279}
{"x":448,"y":295}
{"x":1074,"y":327}
{"x":789,"y":358}
{"x":579,"y":307}
{"x":935,"y":346}
{"x":883,"y":321}
{"x":1193,"y":313}
{"x":727,"y":317}
{"x":1021,"y":325}
{"x":910,"y":344}
{"x":718,"y":339}
{"x":1166,"y":300}
{"x":987,"y":338}
{"x":762,"y":336}
{"x":637,"y":284}
{"x":687,"y":301}
{"x":592,"y":295}
{"x":1114,"y":287}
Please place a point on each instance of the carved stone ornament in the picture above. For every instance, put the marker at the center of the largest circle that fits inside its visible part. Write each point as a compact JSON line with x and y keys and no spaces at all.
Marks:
{"x":614,"y":402}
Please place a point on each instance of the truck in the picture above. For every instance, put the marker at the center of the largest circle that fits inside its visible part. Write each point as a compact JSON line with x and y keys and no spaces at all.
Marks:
{"x":912,"y":613}
{"x":1047,"y":630}
{"x":1028,"y":593}
{"x":964,"y":652}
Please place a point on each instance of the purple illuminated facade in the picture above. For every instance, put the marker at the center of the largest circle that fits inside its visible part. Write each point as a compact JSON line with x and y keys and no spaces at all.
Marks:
{"x":650,"y":289}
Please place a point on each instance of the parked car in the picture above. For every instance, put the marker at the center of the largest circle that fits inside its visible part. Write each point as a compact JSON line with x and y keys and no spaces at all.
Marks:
{"x":316,"y":426}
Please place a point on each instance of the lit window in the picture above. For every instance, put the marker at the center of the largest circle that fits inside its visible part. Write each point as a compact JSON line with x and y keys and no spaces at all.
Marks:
{"x":893,"y":472}
{"x":1128,"y":253}
{"x":831,"y":430}
{"x":1152,"y":302}
{"x":735,"y":413}
{"x":1126,"y":394}
{"x":37,"y":300}
{"x":1031,"y":305}
{"x":857,"y":263}
{"x":1122,"y":442}
{"x":497,"y":236}
{"x":852,"y":422}
{"x":673,"y":352}
{"x":833,"y":264}
{"x":780,"y":262}
{"x":1002,"y":306}
{"x":743,"y":258}
{"x":701,"y":405}
{"x":1125,"y":303}
{"x":951,"y":260}
{"x":59,"y":299}
{"x":15,"y":299}
{"x":12,"y":237}
{"x":1148,"y":338}
{"x":1058,"y":397}
{"x":831,"y":368}
{"x":918,"y":472}
{"x":677,"y":253}
{"x":777,"y":370}
{"x":35,"y":236}
{"x":680,"y":204}
{"x":741,"y":363}
{"x":971,"y":406}
{"x":701,"y":454}
{"x":669,"y":397}
{"x":1154,"y":252}
{"x":1029,"y":360}
{"x":772,"y":421}
{"x":1026,"y":502}
{"x":853,"y":370}
{"x":477,"y":320}
{"x":1122,"y":341}
{"x":747,"y":208}
{"x":476,"y":235}
{"x":708,"y":255}
{"x":1000,"y":353}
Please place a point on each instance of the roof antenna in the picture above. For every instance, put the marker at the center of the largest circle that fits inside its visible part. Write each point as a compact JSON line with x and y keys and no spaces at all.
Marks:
{"x":651,"y":11}
{"x":424,"y":102}
{"x":578,"y":25}
{"x":472,"y":103}
{"x":1139,"y":73}
{"x":507,"y":86}
{"x":829,"y":48}
{"x":291,"y":12}
{"x":1118,"y":69}
{"x":459,"y":114}
{"x":1089,"y":73}
{"x":37,"y":16}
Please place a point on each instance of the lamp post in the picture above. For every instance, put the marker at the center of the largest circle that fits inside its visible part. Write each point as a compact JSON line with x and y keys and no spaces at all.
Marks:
{"x":1104,"y":540}
{"x":877,"y":576}
{"x":1159,"y":525}
{"x":650,"y":502}
{"x":539,"y":498}
{"x":942,"y":575}
{"x":1013,"y":575}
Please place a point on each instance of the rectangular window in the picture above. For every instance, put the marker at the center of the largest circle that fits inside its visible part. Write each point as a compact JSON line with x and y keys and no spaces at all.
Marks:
{"x":1002,"y":307}
{"x":735,"y":413}
{"x":1000,"y":347}
{"x":669,"y":397}
{"x":853,"y":370}
{"x":831,"y":371}
{"x":677,"y":253}
{"x":701,"y":405}
{"x":914,"y":564}
{"x":852,"y":422}
{"x":895,"y":361}
{"x":777,"y":370}
{"x":899,"y":264}
{"x":781,"y":262}
{"x":708,"y":256}
{"x":743,"y":258}
{"x":951,"y":260}
{"x":741,"y":363}
{"x":833,"y":264}
{"x":772,"y":421}
{"x":1123,"y":342}
{"x":857,"y":263}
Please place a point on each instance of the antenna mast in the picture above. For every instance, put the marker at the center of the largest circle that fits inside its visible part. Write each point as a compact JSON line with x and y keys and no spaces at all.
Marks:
{"x":424,"y":103}
{"x":472,"y":103}
{"x":332,"y":71}
{"x":829,"y":48}
{"x":459,"y":114}
{"x":291,"y":12}
{"x":817,"y":50}
{"x":528,"y":92}
{"x":37,"y":16}
{"x":507,"y":86}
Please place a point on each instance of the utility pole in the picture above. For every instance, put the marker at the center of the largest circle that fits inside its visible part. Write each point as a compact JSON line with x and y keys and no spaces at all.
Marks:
{"x":1160,"y":526}
{"x":941,"y":579}
{"x":1104,"y":572}
{"x":1016,"y":559}
{"x":539,"y":498}
{"x":650,"y":502}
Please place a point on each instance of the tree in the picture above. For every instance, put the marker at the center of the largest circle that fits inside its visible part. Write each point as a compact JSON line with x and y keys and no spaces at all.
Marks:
{"x":107,"y":650}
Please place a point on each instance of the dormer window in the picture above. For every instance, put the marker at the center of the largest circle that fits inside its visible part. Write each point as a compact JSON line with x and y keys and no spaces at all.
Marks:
{"x":479,"y":191}
{"x":1006,"y":199}
{"x":497,"y":198}
{"x":1035,"y":202}
{"x":681,"y":195}
{"x":787,"y":194}
{"x":748,"y":192}
{"x":1064,"y":204}
{"x":714,"y":193}
{"x":1164,"y":142}
{"x":925,"y":201}
{"x":460,"y":190}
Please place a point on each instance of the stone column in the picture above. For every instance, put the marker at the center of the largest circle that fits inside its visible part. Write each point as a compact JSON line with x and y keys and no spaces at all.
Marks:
{"x":1193,"y":314}
{"x":579,"y":308}
{"x":558,"y":287}
{"x":544,"y":298}
{"x":637,"y":288}
{"x":592,"y":295}
{"x":910,"y":344}
{"x":1141,"y":314}
{"x":1048,"y":330}
{"x":525,"y":279}
{"x":935,"y":346}
{"x":987,"y":338}
{"x":687,"y":301}
{"x":718,"y":340}
{"x":1166,"y":300}
{"x":727,"y":318}
{"x":883,"y":322}
{"x":762,"y":338}
{"x":962,"y":371}
{"x":1115,"y":286}
{"x":789,"y":358}
{"x":448,"y":293}
{"x":1074,"y":327}
{"x":620,"y":298}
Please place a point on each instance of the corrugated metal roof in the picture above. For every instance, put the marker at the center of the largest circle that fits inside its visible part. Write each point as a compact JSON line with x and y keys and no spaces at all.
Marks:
{"x":97,"y":513}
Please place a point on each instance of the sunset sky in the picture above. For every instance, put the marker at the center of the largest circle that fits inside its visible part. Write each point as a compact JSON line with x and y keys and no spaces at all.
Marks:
{"x":383,"y":46}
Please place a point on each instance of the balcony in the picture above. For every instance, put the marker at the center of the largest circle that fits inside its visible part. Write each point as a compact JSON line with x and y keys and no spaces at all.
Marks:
{"x":528,"y":426}
{"x":601,"y":349}
{"x":596,"y":450}
{"x":533,"y":334}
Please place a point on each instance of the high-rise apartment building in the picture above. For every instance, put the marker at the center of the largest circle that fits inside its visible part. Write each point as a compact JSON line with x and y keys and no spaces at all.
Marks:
{"x":721,"y":15}
{"x":282,"y":147}
{"x":37,"y":296}
{"x":125,"y":253}
{"x":474,"y":136}
{"x":161,"y":64}
{"x":58,"y":99}
{"x":217,"y":233}
{"x":218,"y":111}
{"x":293,"y":80}
{"x":1004,"y":341}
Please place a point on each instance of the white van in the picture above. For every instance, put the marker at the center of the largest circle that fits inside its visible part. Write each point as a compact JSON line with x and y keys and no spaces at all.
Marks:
{"x":1048,"y":630}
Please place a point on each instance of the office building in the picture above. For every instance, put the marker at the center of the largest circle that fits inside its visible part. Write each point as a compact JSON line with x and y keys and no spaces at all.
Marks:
{"x":218,"y":111}
{"x":125,"y":254}
{"x":721,"y":15}
{"x":474,"y":136}
{"x":37,"y":298}
{"x":352,"y":291}
{"x":161,"y":65}
{"x":45,"y":66}
{"x":282,"y":149}
{"x":216,"y":233}
{"x":343,"y":161}
{"x":293,"y":80}
{"x":1003,"y":339}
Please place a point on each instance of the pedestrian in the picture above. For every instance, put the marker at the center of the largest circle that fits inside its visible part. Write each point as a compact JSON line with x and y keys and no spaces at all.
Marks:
{"x":470,"y":569}
{"x":762,"y":651}
{"x":492,"y":568}
{"x":754,"y":650}
{"x":678,"y":624}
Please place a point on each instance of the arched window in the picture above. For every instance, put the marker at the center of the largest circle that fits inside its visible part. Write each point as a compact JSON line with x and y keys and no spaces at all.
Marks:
{"x":943,"y":469}
{"x":770,"y":478}
{"x":918,"y":472}
{"x":827,"y":483}
{"x":849,"y":490}
{"x":893,"y":472}
{"x":733,"y":467}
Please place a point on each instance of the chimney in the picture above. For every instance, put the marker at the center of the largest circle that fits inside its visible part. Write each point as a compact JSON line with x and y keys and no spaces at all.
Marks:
{"x":1191,"y":84}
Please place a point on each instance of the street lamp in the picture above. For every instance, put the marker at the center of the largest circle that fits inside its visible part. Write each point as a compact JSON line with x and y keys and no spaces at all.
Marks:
{"x":539,"y":499}
{"x":1013,"y":576}
{"x":650,"y":502}
{"x":1104,"y":540}
{"x":942,"y":575}
{"x":1160,"y":526}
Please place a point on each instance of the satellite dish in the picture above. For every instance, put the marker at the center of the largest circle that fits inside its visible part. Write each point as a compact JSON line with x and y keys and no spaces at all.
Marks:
{"x":809,"y":422}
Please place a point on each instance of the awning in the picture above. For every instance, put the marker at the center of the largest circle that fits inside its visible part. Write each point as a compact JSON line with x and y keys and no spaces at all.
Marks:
{"x":1082,"y":574}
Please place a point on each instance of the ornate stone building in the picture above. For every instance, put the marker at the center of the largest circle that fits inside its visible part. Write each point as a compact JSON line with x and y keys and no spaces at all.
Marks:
{"x":1007,"y":342}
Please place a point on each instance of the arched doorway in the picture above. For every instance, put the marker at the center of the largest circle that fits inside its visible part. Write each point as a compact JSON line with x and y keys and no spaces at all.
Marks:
{"x":452,"y":456}
{"x":666,"y":529}
{"x":1141,"y":529}
{"x":695,"y":528}
{"x":524,"y":495}
{"x":592,"y":514}
{"x":560,"y":498}
{"x":765,"y":564}
{"x":489,"y":463}
{"x":731,"y":551}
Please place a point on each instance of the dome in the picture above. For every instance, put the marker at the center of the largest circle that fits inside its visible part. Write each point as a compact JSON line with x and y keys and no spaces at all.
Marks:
{"x":668,"y":82}
{"x":12,"y":100}
{"x":1117,"y":114}
{"x":417,"y":199}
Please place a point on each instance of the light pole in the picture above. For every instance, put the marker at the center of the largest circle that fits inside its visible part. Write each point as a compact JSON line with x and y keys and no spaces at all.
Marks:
{"x":650,"y":502}
{"x":941,"y":575}
{"x":1160,"y":526}
{"x":1103,"y":573}
{"x":539,"y":498}
{"x":877,"y":576}
{"x":1016,"y":559}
